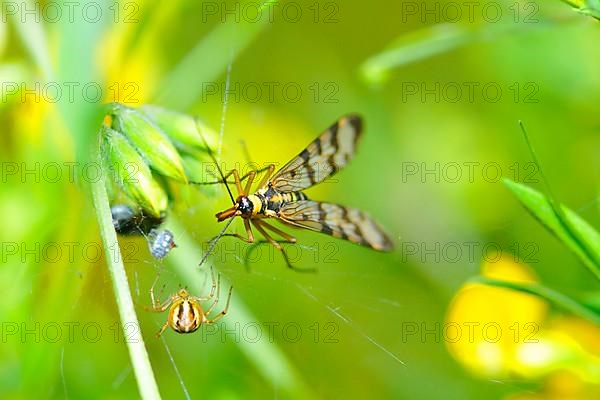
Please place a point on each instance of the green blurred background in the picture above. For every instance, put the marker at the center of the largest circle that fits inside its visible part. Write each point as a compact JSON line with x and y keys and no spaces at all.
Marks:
{"x":357,"y":314}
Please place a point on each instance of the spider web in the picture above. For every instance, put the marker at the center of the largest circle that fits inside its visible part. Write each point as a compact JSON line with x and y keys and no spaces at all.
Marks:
{"x":219,"y":150}
{"x":334,"y":308}
{"x":306,"y":291}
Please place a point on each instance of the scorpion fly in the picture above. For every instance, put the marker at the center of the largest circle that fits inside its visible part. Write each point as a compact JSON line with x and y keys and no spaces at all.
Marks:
{"x":280,"y":195}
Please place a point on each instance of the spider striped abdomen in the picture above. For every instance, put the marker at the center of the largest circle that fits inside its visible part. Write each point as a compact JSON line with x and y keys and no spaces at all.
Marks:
{"x":185,"y":316}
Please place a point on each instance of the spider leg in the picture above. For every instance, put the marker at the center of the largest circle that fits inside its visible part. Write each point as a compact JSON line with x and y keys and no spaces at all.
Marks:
{"x":212,"y":294}
{"x":160,"y":332}
{"x":214,"y":303}
{"x":160,"y":307}
{"x":152,"y":298}
{"x":215,"y":284}
{"x":222,"y":313}
{"x":157,"y":306}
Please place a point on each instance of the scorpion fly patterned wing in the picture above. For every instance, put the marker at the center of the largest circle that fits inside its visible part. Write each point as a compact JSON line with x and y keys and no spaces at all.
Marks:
{"x":322,"y":158}
{"x":338,"y":221}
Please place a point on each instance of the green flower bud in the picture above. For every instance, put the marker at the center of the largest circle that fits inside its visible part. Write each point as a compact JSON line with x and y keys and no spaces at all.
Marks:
{"x":149,"y":140}
{"x":131,"y":172}
{"x":181,"y":128}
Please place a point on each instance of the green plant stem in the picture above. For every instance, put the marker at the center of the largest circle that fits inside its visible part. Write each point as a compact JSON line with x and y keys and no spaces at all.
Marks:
{"x":135,"y":342}
{"x":556,"y":298}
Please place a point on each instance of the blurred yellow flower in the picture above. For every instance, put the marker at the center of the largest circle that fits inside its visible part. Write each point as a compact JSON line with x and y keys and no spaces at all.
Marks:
{"x":499,"y":319}
{"x":512,"y":335}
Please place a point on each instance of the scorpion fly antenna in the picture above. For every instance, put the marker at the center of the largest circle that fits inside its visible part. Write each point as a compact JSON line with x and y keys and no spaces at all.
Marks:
{"x":214,"y":159}
{"x":214,"y":242}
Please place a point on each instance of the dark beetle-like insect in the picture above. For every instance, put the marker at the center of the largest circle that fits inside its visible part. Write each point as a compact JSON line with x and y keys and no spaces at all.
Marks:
{"x":129,"y":222}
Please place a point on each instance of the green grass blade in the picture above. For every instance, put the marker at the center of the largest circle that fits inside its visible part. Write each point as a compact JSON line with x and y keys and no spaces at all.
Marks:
{"x":34,"y":37}
{"x":587,"y":7}
{"x":428,"y":42}
{"x":415,"y":46}
{"x":560,"y":215}
{"x":431,"y":41}
{"x":268,"y":359}
{"x":541,"y":208}
{"x":592,"y":301}
{"x":558,"y":299}
{"x":135,"y":343}
{"x":590,"y":253}
{"x":207,"y":61}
